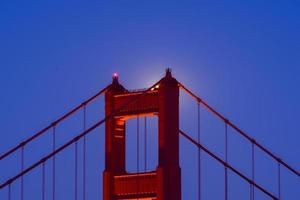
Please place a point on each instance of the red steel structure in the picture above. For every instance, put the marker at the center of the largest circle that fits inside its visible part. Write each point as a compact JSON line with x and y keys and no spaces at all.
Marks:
{"x":162,"y":101}
{"x":164,"y":183}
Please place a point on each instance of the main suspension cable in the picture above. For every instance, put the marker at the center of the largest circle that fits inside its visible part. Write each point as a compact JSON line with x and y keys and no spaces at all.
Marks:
{"x":228,"y":165}
{"x":76,"y":138}
{"x":51,"y":125}
{"x":239,"y":131}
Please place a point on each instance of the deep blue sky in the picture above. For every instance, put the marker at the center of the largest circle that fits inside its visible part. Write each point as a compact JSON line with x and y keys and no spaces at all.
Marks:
{"x":241,"y":57}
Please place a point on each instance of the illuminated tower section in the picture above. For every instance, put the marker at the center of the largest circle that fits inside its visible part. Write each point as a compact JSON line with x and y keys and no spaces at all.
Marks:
{"x":162,"y":101}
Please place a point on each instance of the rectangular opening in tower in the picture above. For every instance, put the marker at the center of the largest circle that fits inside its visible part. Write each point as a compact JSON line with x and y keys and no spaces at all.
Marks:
{"x":141,"y":144}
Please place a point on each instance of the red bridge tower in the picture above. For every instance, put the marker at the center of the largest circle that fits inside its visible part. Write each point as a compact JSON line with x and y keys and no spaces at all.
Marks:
{"x":162,"y":101}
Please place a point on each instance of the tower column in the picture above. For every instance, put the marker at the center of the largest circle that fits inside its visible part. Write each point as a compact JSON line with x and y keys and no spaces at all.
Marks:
{"x":114,"y":141}
{"x":168,"y":171}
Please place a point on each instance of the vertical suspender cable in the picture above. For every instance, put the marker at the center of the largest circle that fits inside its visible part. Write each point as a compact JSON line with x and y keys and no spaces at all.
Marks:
{"x":145,"y":144}
{"x":253,"y":169}
{"x":75,"y":171}
{"x":199,"y":152}
{"x":53,"y":162}
{"x":137,"y":145}
{"x":226,"y":160}
{"x":22,"y":168}
{"x":137,"y":150}
{"x":43,"y":181}
{"x":9,"y":192}
{"x":279,"y":181}
{"x":84,"y":154}
{"x":250,"y":191}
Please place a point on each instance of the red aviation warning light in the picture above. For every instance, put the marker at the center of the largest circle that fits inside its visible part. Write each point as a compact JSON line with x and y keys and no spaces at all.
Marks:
{"x":115,"y":75}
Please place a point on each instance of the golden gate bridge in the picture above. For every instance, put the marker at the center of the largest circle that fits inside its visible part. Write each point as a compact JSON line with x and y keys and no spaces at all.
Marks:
{"x":164,"y":182}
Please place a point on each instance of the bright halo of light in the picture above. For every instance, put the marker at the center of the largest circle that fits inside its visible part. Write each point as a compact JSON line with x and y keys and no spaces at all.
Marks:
{"x":115,"y":74}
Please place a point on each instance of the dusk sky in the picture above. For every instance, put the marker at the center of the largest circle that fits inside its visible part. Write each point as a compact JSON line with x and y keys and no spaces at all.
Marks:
{"x":242,"y":58}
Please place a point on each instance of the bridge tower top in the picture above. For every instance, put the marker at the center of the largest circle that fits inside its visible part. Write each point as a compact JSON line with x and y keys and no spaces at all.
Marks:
{"x":162,"y":101}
